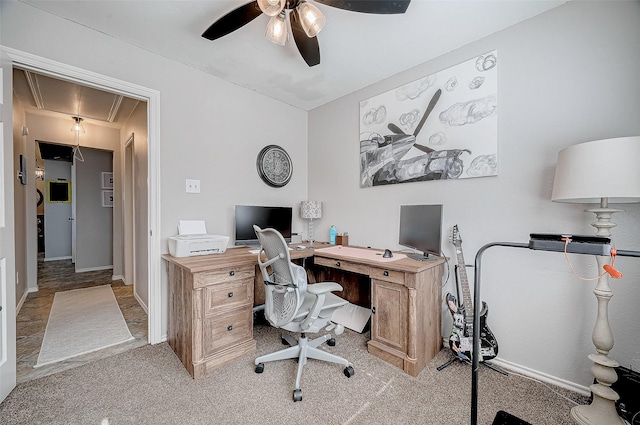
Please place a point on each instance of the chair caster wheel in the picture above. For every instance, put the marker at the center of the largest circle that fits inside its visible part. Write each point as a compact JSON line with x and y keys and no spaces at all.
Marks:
{"x":349,"y":371}
{"x":297,"y":394}
{"x":260,"y":368}
{"x":331,"y":342}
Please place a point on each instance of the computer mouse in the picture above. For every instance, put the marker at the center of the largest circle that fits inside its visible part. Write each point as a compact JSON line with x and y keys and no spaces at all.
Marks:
{"x":387,"y":253}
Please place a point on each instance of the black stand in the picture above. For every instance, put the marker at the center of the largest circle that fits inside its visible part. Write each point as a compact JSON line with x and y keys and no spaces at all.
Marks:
{"x":476,"y":314}
{"x":468,"y":361}
{"x":463,"y":358}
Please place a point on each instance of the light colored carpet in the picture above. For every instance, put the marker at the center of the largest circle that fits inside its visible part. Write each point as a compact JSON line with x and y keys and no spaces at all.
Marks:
{"x":149,"y":386}
{"x":82,"y":321}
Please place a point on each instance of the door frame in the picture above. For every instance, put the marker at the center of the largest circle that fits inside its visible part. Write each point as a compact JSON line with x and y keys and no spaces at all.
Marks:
{"x":152,"y":97}
{"x":128,"y":195}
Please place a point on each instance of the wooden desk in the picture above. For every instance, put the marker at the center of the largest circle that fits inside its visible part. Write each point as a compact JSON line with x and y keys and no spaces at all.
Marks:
{"x":406,"y":296}
{"x":211,"y":299}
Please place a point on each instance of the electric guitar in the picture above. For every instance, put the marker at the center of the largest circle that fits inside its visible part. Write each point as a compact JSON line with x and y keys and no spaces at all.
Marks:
{"x":461,"y":339}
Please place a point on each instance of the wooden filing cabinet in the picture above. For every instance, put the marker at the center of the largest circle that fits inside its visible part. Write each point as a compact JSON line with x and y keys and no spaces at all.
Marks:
{"x":211,"y":312}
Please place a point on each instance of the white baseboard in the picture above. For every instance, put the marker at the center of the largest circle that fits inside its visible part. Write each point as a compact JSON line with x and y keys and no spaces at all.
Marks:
{"x":57,"y":258}
{"x":22,"y":299}
{"x":541,"y":376}
{"x":93,"y":269}
{"x":537,"y":375}
{"x":142,"y":304}
{"x":118,"y":277}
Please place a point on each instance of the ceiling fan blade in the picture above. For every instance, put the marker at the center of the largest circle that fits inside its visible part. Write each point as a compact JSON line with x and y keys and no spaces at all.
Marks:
{"x":384,"y":7}
{"x":233,"y":20}
{"x":307,"y":46}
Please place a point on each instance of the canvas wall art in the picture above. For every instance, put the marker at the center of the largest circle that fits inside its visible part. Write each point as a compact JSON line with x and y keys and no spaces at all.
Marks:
{"x":443,"y":126}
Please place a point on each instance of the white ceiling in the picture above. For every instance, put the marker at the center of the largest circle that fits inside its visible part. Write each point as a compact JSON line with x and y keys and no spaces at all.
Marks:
{"x":356,"y":49}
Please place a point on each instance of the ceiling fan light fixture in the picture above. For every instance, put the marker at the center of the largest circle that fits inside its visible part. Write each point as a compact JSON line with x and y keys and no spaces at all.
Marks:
{"x":77,"y":125}
{"x":277,"y":29}
{"x":271,"y":7}
{"x":311,"y":18}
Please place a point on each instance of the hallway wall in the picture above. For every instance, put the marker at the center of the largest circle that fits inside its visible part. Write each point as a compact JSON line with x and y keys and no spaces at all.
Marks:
{"x":94,"y":221}
{"x":55,"y":128}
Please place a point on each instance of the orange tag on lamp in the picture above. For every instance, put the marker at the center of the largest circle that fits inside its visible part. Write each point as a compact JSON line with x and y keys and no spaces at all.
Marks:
{"x":613,"y":272}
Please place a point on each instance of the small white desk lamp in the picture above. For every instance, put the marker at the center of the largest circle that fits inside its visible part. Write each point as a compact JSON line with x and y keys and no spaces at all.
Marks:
{"x":311,"y":210}
{"x":600,"y":172}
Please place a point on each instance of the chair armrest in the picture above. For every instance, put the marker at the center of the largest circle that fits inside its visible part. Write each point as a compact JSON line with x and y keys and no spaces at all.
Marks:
{"x":323,"y":288}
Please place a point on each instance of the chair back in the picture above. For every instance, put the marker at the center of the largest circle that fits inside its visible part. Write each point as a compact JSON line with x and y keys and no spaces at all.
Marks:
{"x":285,"y":282}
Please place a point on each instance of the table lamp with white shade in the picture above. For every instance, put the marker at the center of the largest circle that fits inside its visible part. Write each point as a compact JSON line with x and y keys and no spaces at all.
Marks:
{"x":310,"y":210}
{"x":600,"y":172}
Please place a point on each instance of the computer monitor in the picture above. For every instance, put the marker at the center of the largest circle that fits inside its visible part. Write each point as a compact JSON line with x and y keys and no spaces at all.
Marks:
{"x":421,"y":229}
{"x":246,"y":216}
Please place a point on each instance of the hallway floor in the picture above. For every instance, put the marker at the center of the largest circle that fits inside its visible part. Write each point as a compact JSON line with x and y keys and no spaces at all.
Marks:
{"x":31,"y":322}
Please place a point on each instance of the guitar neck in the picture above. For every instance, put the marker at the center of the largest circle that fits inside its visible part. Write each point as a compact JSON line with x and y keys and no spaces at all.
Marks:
{"x":464,"y":283}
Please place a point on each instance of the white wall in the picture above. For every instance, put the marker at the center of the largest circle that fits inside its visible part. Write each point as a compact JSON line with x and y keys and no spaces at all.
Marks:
{"x":22,"y":196}
{"x":94,"y":222}
{"x":565,"y":77}
{"x":210,"y":129}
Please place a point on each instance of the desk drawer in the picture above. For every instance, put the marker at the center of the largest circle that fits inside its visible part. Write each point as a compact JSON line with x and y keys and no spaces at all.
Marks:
{"x":387,"y":275}
{"x":342,"y":265}
{"x":223,"y":274}
{"x":227,"y":294}
{"x":223,"y":331}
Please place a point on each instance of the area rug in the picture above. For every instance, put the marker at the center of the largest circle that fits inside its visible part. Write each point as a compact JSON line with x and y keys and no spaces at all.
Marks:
{"x":82,"y":321}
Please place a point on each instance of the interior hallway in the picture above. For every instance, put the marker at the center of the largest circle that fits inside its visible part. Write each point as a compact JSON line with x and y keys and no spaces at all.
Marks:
{"x":31,"y":322}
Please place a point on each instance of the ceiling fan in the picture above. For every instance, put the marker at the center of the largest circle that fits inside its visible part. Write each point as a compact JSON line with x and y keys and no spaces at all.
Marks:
{"x":305,"y":19}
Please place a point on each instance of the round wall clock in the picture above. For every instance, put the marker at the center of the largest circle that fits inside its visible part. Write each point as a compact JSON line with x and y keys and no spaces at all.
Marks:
{"x":274,"y":166}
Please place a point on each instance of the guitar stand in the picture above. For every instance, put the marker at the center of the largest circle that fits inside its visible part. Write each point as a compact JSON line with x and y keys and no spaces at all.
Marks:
{"x":466,"y":359}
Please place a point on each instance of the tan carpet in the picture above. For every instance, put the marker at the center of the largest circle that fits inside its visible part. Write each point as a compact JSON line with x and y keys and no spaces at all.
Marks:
{"x":149,"y":385}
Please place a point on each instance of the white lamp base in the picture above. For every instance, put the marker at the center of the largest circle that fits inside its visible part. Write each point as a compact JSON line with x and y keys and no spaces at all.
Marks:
{"x":310,"y":230}
{"x":597,"y":413}
{"x":602,"y":410}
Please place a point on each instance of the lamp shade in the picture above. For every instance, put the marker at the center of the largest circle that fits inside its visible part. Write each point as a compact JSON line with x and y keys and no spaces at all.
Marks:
{"x":277,"y":29}
{"x":271,"y":7}
{"x":311,"y":209}
{"x":588,"y":172}
{"x":311,"y":18}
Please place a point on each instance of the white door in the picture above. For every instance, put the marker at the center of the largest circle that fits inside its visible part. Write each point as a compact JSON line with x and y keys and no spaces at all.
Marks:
{"x":7,"y":246}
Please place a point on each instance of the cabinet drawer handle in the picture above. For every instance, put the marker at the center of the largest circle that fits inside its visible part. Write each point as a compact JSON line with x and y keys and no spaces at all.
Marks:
{"x":386,"y":273}
{"x":337,"y":263}
{"x":230,"y":328}
{"x":232,"y":273}
{"x":230,"y":294}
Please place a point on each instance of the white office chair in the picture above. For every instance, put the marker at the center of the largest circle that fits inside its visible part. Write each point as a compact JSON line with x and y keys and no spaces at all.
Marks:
{"x":293,"y":305}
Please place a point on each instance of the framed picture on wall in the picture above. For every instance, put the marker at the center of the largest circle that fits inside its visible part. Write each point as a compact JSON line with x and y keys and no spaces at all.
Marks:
{"x":107,"y":198}
{"x":107,"y":180}
{"x":59,"y":191}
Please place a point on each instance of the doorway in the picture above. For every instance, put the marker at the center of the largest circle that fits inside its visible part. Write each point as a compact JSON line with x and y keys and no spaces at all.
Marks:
{"x":151,"y":227}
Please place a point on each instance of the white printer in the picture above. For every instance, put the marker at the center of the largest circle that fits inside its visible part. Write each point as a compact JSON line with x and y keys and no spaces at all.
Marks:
{"x":192,"y":239}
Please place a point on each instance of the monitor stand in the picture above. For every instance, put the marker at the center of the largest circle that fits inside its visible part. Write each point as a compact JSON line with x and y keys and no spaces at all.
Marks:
{"x":422,"y":257}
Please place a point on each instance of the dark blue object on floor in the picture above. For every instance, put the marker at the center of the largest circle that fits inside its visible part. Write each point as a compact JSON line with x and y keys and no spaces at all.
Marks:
{"x":504,"y":418}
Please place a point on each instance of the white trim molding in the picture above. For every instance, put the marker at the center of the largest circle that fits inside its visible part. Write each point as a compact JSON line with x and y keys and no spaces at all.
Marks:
{"x":540,"y":376}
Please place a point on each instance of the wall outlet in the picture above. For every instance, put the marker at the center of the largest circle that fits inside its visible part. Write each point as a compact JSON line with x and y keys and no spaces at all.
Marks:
{"x":193,"y":186}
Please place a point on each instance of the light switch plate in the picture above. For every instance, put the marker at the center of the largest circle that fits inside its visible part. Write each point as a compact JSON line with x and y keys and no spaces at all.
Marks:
{"x":193,"y":186}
